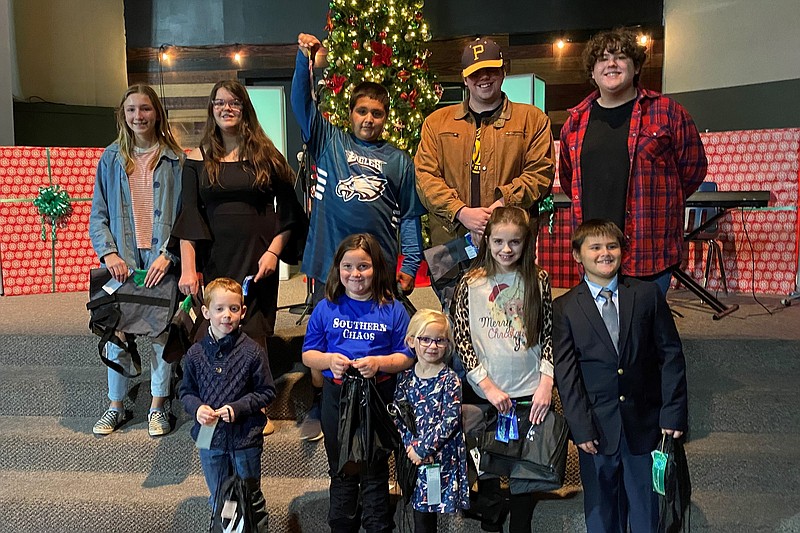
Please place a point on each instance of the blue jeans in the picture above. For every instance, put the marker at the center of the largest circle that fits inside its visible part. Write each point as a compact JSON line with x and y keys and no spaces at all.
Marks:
{"x":160,"y":370}
{"x":217,"y":468}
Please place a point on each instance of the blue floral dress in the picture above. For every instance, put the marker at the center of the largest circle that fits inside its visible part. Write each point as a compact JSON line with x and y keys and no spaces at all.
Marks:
{"x":437,"y":409}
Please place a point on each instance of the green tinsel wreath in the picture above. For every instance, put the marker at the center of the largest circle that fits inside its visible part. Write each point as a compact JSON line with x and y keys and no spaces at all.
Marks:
{"x":54,"y":207}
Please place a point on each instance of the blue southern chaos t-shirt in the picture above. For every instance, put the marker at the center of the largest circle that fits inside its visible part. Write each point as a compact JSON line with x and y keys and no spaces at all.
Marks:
{"x":361,"y":187}
{"x":357,"y":329}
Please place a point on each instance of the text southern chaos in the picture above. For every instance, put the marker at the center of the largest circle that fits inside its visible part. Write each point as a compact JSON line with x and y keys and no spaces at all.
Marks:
{"x":357,"y":330}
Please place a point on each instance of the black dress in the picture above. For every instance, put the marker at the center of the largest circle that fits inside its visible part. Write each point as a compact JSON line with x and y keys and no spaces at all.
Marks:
{"x":232,"y":224}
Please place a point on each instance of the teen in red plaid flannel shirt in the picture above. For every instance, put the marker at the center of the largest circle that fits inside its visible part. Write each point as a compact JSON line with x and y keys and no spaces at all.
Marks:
{"x":666,"y":161}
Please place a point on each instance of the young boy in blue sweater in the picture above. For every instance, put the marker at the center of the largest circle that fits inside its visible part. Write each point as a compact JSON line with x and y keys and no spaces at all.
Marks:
{"x":227,"y":382}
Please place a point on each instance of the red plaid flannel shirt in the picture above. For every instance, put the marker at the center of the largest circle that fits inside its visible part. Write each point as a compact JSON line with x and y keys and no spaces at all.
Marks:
{"x":667,"y":164}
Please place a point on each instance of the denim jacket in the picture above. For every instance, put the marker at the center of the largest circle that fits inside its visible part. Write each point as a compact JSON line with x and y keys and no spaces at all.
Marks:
{"x":111,"y":226}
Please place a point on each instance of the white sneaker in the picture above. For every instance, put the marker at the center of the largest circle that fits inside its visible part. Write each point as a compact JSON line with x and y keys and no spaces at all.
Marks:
{"x":158,"y":424}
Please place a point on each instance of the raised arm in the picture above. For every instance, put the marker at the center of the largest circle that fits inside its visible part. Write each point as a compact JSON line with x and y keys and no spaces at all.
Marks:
{"x":303,"y":104}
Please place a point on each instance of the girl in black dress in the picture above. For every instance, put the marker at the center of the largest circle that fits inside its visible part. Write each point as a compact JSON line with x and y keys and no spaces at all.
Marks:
{"x":239,"y":211}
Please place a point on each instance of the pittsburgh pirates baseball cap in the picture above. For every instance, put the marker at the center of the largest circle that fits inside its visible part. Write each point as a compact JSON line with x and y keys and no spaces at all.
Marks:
{"x":480,"y":53}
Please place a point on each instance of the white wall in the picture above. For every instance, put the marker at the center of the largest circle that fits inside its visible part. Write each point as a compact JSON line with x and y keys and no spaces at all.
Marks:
{"x":711,"y":44}
{"x":6,"y":100}
{"x":71,"y":52}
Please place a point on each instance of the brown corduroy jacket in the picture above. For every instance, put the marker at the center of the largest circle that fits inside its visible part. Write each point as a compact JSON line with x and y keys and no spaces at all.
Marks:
{"x":516,"y":162}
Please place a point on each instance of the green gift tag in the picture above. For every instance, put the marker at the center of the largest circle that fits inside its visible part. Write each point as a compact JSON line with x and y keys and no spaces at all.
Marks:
{"x":186,"y":304}
{"x":138,"y":277}
{"x":659,"y":469}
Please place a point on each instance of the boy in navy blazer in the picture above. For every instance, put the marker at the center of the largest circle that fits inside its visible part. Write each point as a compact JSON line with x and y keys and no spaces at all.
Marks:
{"x":621,"y":375}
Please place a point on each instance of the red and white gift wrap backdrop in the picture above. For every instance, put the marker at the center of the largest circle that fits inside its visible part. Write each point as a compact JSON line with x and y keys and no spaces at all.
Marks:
{"x":28,"y":264}
{"x":761,"y":253}
{"x":759,"y":247}
{"x":738,"y":160}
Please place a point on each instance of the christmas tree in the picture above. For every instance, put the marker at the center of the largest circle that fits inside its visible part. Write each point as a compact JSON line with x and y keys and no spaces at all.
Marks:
{"x":381,"y":41}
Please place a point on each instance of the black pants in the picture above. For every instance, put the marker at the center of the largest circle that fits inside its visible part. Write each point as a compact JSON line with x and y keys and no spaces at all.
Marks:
{"x":425,"y":522}
{"x":517,"y":507}
{"x":361,"y":499}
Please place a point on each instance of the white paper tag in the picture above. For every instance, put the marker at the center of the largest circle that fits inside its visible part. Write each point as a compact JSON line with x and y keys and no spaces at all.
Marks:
{"x":228,"y":510}
{"x":475,"y":454}
{"x":433,"y":477}
{"x":205,"y":435}
{"x":192,"y":314}
{"x":112,"y":285}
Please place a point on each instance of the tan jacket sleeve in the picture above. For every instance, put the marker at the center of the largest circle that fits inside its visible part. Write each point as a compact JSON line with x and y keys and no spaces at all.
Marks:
{"x":536,"y":180}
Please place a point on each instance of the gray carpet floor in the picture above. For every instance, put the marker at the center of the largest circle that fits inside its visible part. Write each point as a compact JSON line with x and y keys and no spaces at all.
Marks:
{"x":743,"y":449}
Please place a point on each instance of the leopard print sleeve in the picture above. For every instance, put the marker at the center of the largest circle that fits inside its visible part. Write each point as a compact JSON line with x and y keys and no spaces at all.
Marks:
{"x":461,"y":329}
{"x":546,"y":335}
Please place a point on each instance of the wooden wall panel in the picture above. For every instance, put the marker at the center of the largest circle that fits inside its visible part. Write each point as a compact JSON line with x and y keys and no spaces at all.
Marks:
{"x":189,"y":74}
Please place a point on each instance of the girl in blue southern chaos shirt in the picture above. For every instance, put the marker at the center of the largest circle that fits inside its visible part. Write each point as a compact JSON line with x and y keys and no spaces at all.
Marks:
{"x":358,"y":325}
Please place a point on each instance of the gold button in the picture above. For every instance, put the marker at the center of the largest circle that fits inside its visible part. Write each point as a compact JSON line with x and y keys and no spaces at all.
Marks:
{"x":219,"y":370}
{"x":620,"y":371}
{"x":622,"y":398}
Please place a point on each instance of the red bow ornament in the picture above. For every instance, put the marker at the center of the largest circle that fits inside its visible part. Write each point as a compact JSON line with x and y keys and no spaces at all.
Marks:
{"x":335,"y":83}
{"x":383,"y":54}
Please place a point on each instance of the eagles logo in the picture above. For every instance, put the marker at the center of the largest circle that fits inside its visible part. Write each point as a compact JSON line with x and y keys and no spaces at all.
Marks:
{"x":365,"y":188}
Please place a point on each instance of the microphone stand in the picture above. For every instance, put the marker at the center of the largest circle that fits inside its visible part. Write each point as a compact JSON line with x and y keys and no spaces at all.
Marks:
{"x":304,"y":177}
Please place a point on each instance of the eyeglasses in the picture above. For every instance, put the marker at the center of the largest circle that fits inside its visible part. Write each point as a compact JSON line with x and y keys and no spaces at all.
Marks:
{"x":427,"y":341}
{"x":234,"y":104}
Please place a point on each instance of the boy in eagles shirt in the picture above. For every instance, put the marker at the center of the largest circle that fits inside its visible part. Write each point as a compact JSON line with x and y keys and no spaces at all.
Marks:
{"x":364,"y":184}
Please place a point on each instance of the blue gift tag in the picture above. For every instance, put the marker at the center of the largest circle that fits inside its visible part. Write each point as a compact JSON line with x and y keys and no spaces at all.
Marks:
{"x":513,"y":425}
{"x":470,"y":248}
{"x":434,"y":478}
{"x":501,"y":433}
{"x":246,"y":284}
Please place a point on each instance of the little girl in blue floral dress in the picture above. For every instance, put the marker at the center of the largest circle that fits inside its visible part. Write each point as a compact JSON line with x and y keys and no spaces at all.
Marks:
{"x":437,"y":446}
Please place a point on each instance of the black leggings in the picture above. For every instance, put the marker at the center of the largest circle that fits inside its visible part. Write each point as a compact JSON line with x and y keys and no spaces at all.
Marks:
{"x":518,"y":506}
{"x":360,"y":500}
{"x":425,"y":522}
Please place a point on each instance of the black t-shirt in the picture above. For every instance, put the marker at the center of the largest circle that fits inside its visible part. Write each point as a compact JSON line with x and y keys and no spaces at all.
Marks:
{"x":475,"y":178}
{"x":605,"y":163}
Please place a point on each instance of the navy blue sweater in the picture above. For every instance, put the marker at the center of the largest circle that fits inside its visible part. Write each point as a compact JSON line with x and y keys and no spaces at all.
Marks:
{"x":234,"y":371}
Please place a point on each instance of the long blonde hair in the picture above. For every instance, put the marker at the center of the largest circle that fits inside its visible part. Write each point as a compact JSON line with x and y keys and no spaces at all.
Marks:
{"x":256,"y":150}
{"x":163,"y":132}
{"x":485,"y":266}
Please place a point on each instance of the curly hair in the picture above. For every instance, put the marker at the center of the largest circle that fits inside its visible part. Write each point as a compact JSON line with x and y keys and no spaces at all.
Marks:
{"x":618,"y":40}
{"x":256,"y":150}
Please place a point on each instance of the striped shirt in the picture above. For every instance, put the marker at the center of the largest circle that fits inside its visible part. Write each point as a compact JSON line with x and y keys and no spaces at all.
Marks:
{"x":141,"y":183}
